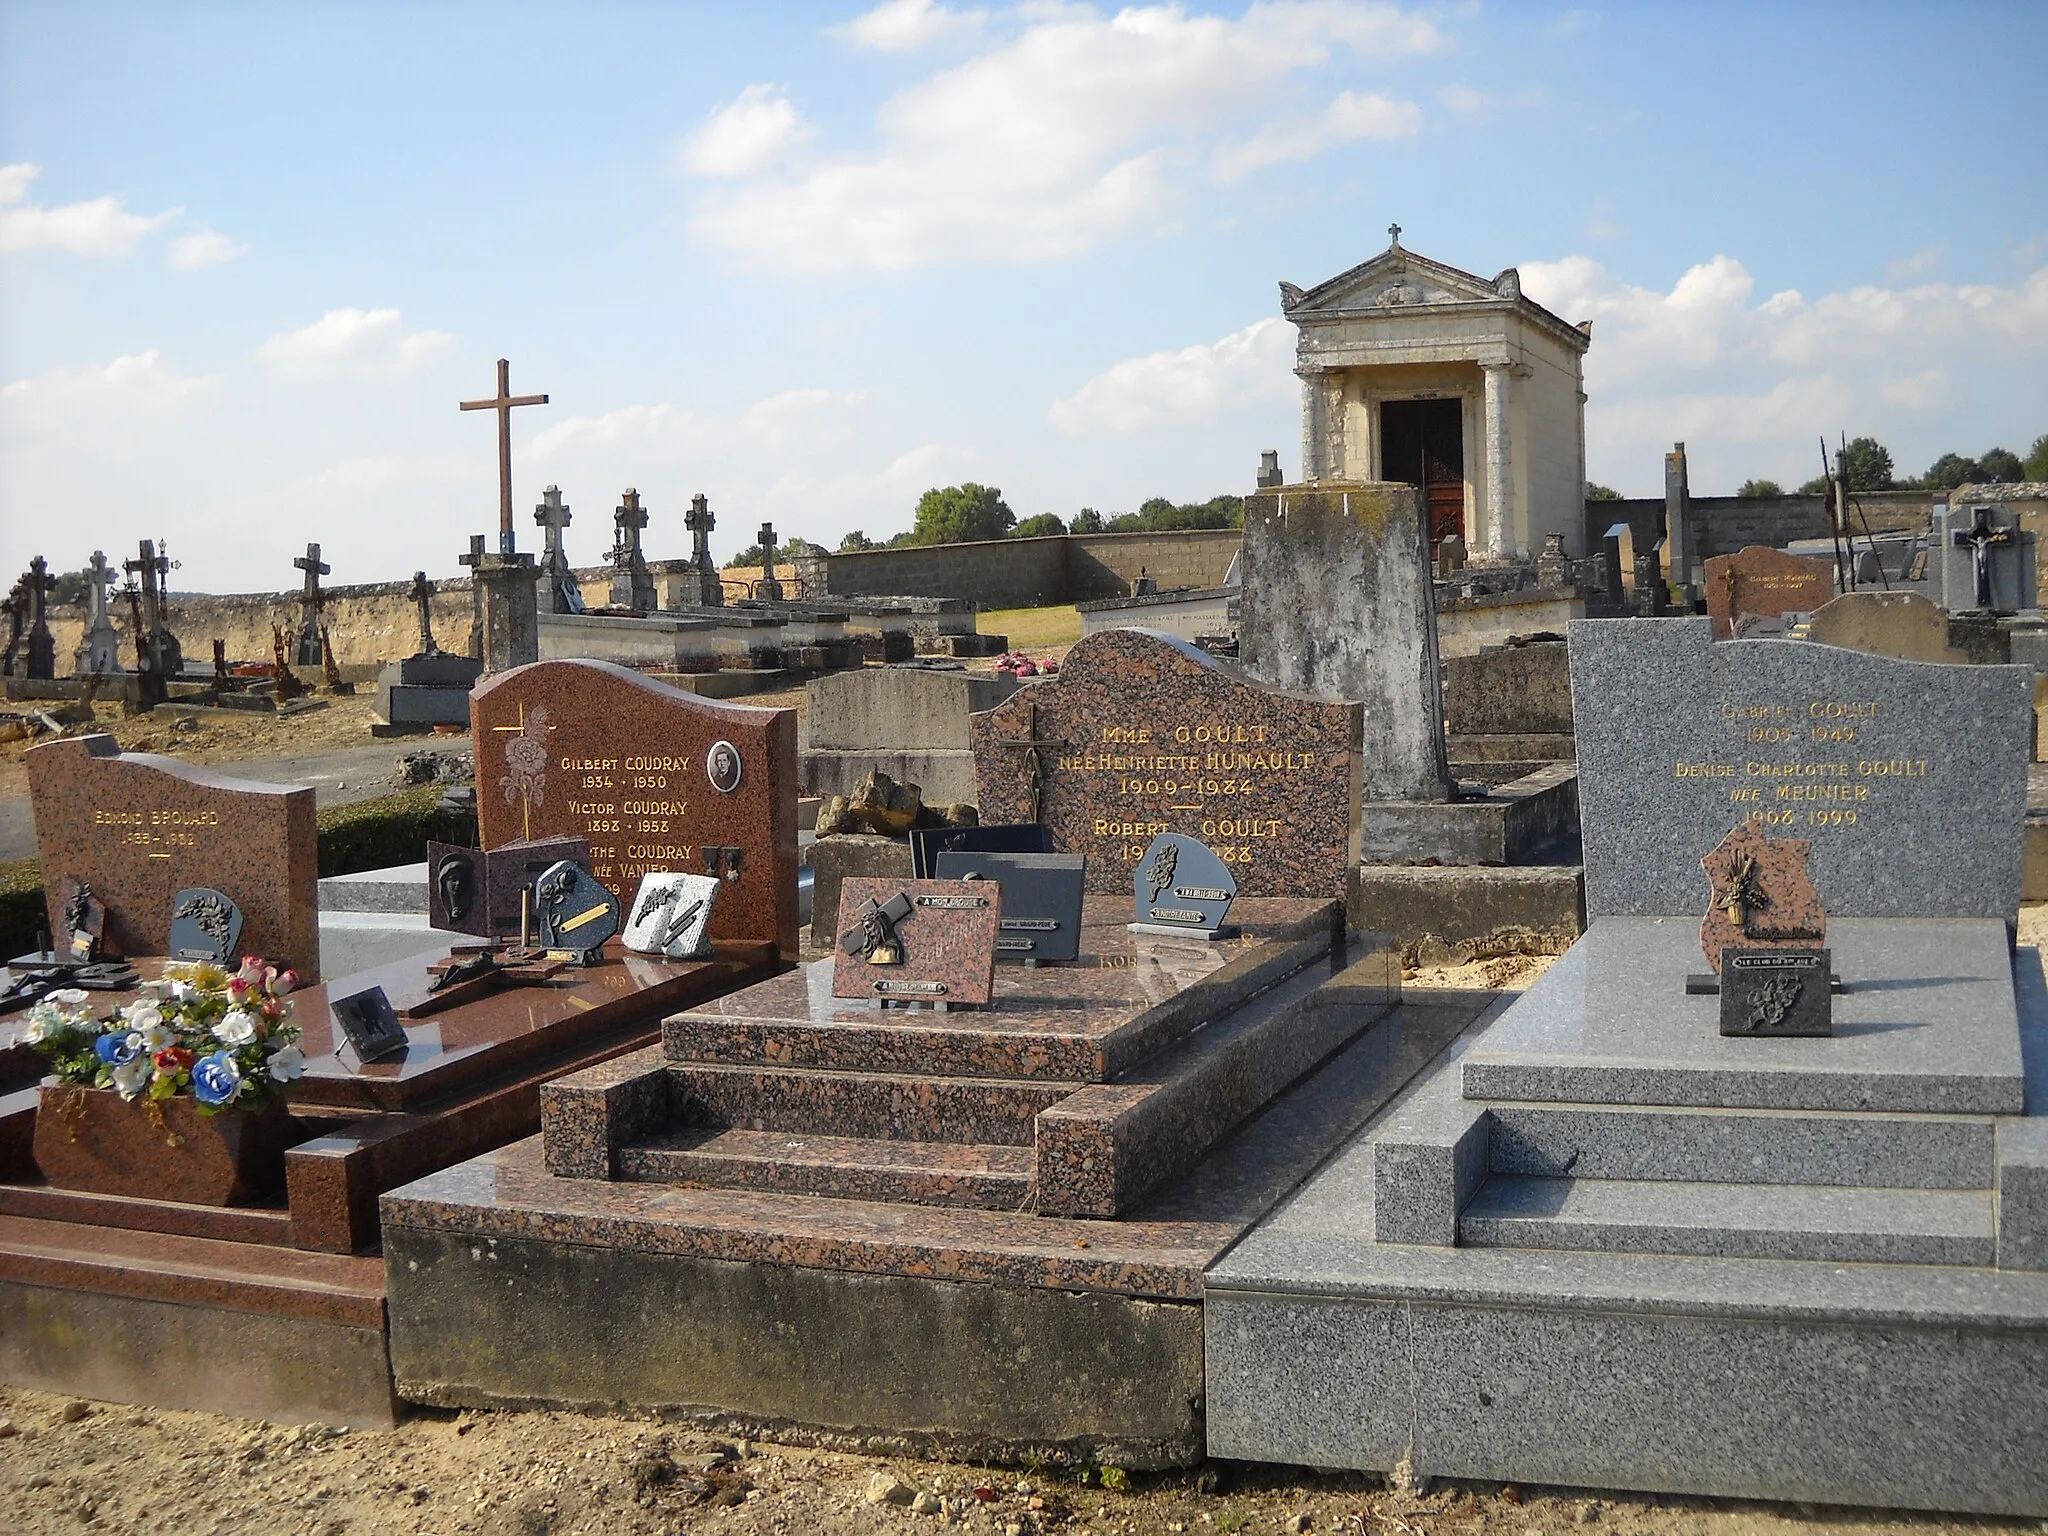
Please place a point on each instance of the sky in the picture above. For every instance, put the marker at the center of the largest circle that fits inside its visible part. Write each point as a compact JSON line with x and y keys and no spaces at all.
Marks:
{"x":810,"y":260}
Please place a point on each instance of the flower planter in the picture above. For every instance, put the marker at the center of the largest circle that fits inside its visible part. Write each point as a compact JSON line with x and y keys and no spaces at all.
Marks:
{"x":94,"y":1140}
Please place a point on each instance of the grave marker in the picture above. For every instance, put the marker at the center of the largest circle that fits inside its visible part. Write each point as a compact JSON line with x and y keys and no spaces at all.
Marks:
{"x":632,"y":582}
{"x":1141,"y":733}
{"x":42,"y":645}
{"x":768,"y":589}
{"x":1750,"y":592}
{"x":1909,"y":779}
{"x":587,"y":749}
{"x":100,"y":650}
{"x":311,"y":601}
{"x":139,"y":829}
{"x":559,"y":592}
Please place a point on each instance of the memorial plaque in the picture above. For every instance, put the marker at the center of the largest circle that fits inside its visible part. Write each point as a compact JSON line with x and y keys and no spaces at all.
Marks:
{"x":1909,"y":778}
{"x":917,"y":941}
{"x":587,"y":749}
{"x":1041,"y":900}
{"x":1141,"y":733}
{"x":927,"y":843}
{"x":1776,"y":992}
{"x":671,"y":915}
{"x":370,"y":1024}
{"x":573,"y":911}
{"x":205,"y":925}
{"x":85,"y":920}
{"x":1181,"y":887}
{"x":139,"y":829}
{"x":1762,"y":897}
{"x":477,"y":893}
{"x":1753,"y":589}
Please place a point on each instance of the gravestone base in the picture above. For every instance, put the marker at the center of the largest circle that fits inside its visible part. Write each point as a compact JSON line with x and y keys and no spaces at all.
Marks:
{"x":1602,"y":1246}
{"x":973,"y":1234}
{"x":426,"y":690}
{"x":1521,"y":908}
{"x":1508,"y":825}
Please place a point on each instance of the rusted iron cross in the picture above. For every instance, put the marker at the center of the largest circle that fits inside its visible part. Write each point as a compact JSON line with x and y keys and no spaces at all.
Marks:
{"x":1035,"y":772}
{"x":503,"y":406}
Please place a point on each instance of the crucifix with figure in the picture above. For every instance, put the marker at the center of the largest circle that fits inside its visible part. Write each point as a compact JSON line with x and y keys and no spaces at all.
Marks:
{"x":503,"y":403}
{"x":1980,"y":538}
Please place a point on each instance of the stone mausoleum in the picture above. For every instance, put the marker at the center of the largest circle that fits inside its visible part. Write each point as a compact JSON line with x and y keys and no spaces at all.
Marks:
{"x":1411,"y":370}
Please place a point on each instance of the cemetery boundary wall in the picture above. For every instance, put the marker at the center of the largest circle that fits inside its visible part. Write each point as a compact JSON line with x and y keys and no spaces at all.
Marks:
{"x":1027,"y":573}
{"x":1729,"y":523}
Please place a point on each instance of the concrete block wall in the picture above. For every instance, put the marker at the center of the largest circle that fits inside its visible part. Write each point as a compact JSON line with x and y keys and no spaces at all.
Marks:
{"x":1027,"y":573}
{"x":1729,"y":523}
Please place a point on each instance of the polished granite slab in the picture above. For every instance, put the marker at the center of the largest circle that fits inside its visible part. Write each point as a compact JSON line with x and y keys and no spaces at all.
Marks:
{"x":1927,"y":1025}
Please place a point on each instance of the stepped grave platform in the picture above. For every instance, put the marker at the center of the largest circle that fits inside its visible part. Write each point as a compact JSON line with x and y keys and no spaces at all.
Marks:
{"x":276,"y":1310}
{"x":1600,"y":1245}
{"x":976,"y":1232}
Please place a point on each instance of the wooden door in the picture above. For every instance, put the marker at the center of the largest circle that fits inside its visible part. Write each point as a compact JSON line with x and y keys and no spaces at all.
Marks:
{"x":1422,"y":443}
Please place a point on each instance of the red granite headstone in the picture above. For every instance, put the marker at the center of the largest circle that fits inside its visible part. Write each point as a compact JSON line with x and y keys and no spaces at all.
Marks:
{"x":655,"y":779}
{"x":139,"y":828}
{"x":1142,"y":733}
{"x":1762,"y":584}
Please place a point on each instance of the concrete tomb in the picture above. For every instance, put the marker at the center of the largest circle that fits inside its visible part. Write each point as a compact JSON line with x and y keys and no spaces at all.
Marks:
{"x":431,"y":686}
{"x":910,"y":722}
{"x":1604,"y":1244}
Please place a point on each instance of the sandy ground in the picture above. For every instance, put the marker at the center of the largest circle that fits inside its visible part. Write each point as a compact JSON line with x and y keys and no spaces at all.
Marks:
{"x":71,"y":1466}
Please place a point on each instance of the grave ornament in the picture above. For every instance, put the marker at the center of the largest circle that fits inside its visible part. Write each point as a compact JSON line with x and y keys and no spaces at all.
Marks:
{"x":205,"y":925}
{"x":100,"y":650}
{"x":366,"y":1018}
{"x":575,"y":913}
{"x":311,"y":601}
{"x":1042,"y":896}
{"x":917,"y":941}
{"x":1764,"y":936}
{"x":559,"y":590}
{"x":1182,"y":889}
{"x":928,"y":843}
{"x":768,"y":589}
{"x":672,"y":915}
{"x":85,"y":920}
{"x":632,"y":582}
{"x":42,"y":646}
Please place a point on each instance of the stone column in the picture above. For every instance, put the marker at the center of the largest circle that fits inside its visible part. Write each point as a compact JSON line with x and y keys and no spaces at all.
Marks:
{"x":511,"y":620}
{"x":1498,"y":538}
{"x":1314,"y":436}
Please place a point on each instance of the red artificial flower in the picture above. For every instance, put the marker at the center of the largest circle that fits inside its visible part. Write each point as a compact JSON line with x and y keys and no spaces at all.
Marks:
{"x":174,"y":1058}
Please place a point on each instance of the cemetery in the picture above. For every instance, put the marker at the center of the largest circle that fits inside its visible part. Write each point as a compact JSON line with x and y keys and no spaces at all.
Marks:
{"x":796,"y":1022}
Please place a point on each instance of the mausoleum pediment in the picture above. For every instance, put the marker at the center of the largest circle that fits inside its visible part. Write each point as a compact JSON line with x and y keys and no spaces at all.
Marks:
{"x":1395,"y":280}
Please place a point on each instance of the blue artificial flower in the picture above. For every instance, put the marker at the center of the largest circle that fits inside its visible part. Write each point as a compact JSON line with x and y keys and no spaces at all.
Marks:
{"x":216,"y":1079}
{"x":118,"y":1049}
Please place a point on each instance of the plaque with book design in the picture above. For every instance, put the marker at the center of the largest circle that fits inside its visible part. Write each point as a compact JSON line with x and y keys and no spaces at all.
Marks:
{"x":917,"y":941}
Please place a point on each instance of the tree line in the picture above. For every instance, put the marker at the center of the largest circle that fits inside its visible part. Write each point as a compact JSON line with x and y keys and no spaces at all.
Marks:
{"x":1867,"y":466}
{"x":973,"y":513}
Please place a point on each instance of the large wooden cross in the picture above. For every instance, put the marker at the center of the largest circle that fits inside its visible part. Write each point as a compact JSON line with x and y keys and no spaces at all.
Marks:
{"x":503,"y":404}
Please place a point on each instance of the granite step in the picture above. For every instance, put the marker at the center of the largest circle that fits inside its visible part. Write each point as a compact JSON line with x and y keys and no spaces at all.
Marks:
{"x":927,"y":1044}
{"x":996,"y":1178}
{"x":1831,"y":1224}
{"x":887,"y":1105}
{"x":1730,"y":1146}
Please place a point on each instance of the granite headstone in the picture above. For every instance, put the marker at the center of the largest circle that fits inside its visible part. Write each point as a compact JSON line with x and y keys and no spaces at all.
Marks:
{"x":1181,"y":887}
{"x":1762,"y":584}
{"x":1909,"y":778}
{"x":1141,"y":733}
{"x":140,"y":828}
{"x":653,"y":777}
{"x":573,"y":911}
{"x":205,"y":925}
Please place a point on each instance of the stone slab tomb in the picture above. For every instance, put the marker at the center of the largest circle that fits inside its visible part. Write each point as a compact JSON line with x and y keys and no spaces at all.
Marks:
{"x":1141,"y":733}
{"x":138,"y":828}
{"x":1604,"y":1244}
{"x":654,"y":778}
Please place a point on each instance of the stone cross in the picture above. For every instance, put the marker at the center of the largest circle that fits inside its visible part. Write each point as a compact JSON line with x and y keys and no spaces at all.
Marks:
{"x":503,"y":403}
{"x":768,"y":589}
{"x":1980,"y":538}
{"x":16,"y":609}
{"x":1393,"y":237}
{"x":101,"y":575}
{"x":559,"y":592}
{"x":311,"y":601}
{"x":474,"y":560}
{"x":702,"y":585}
{"x":632,"y":582}
{"x":156,"y":649}
{"x":423,"y":593}
{"x":42,"y":647}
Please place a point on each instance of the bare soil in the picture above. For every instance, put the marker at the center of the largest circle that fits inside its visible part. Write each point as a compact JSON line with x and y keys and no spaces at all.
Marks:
{"x":69,"y":1466}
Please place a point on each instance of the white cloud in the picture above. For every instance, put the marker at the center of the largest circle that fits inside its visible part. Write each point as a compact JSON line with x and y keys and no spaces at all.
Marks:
{"x":1751,"y":386}
{"x":207,"y":248}
{"x":1194,"y":385}
{"x":100,"y":227}
{"x":1346,"y":120}
{"x":746,"y":136}
{"x":1076,"y":130}
{"x":368,"y":337}
{"x":901,"y":26}
{"x":1471,"y":102}
{"x":138,"y":383}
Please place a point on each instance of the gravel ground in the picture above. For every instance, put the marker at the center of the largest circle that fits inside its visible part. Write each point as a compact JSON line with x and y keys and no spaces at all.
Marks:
{"x":68,"y":1466}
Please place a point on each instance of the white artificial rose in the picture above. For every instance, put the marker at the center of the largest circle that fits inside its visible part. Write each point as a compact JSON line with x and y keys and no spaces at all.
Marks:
{"x":142,"y":1013}
{"x":286,"y":1064}
{"x":238,"y":1028}
{"x":70,"y":997}
{"x":131,"y":1077}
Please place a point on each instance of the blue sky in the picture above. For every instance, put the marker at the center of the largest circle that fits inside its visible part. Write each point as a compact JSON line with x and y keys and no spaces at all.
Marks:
{"x":810,"y":260}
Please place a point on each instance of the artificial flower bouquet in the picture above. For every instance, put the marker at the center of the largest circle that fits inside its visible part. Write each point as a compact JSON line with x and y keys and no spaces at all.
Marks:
{"x":226,"y":1040}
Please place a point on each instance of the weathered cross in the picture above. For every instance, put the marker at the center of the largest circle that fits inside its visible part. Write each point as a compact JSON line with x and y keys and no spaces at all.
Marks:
{"x":475,"y":561}
{"x":767,"y":537}
{"x":1980,"y":538}
{"x":552,"y":515}
{"x":39,"y":584}
{"x":1035,"y":773}
{"x":629,"y":518}
{"x":503,"y":404}
{"x":314,"y":568}
{"x":700,"y":522}
{"x":1393,"y":234}
{"x":101,"y":575}
{"x":423,"y":593}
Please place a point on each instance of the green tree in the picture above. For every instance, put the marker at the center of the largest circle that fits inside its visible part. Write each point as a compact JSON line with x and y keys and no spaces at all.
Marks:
{"x":961,"y":514}
{"x":1950,"y":471}
{"x":855,"y":542}
{"x":1759,"y":488}
{"x":2037,"y":459}
{"x":2001,"y":466}
{"x":1817,"y":486}
{"x":1088,"y":520}
{"x":1158,"y":515}
{"x":1866,"y":464}
{"x":1041,"y":526}
{"x":1598,"y":492}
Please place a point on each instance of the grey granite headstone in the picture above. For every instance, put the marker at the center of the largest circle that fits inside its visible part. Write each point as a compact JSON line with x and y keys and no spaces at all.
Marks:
{"x":205,"y":925}
{"x":1337,"y":604}
{"x":1910,"y":778}
{"x":574,"y":912}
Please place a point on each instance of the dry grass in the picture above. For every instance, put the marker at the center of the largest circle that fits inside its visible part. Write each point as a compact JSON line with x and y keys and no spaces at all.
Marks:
{"x":1037,"y":630}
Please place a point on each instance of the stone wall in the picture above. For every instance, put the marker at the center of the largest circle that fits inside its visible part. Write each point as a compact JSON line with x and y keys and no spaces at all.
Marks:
{"x":1028,"y":573}
{"x":1729,"y":523}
